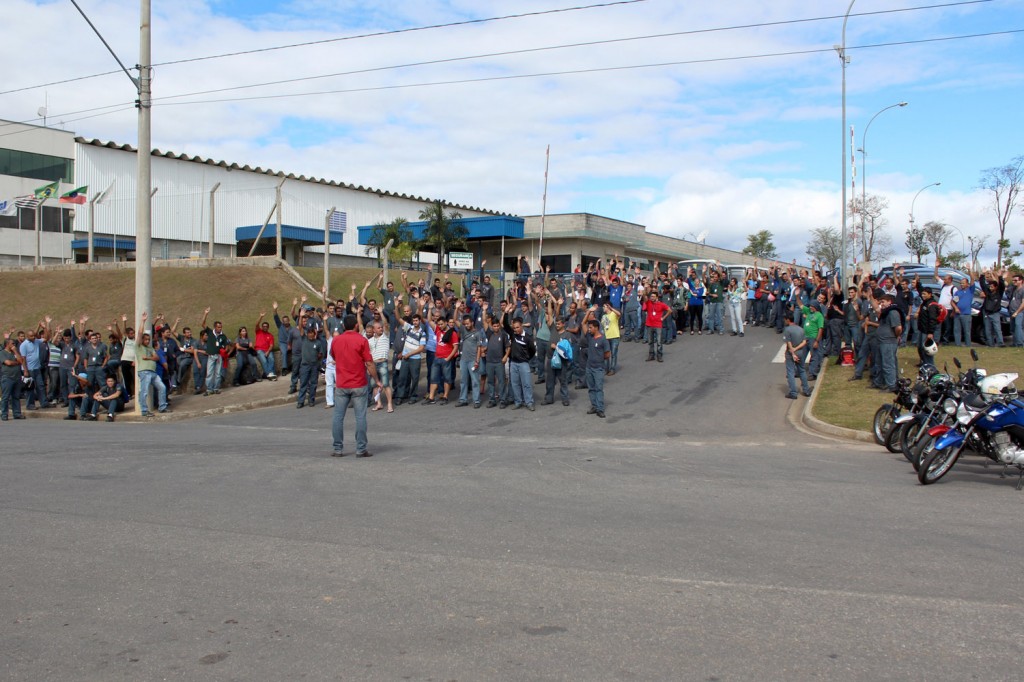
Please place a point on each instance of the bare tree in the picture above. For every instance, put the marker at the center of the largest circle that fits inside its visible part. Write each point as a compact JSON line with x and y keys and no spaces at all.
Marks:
{"x":825,"y":246}
{"x":976,"y":245}
{"x":936,"y":234}
{"x":1004,"y":183}
{"x":869,"y":227}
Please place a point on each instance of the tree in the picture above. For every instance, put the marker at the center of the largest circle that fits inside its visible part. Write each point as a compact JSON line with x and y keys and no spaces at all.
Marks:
{"x":442,"y":231}
{"x":876,"y":244}
{"x":953,"y":259}
{"x":916,"y":244}
{"x":1004,"y":183}
{"x":825,"y":246}
{"x":397,"y":229}
{"x":976,"y":245}
{"x":760,"y":245}
{"x":936,"y":234}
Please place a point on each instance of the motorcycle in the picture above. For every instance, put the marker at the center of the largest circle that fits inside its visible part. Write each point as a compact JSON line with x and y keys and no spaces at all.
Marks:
{"x":990,"y":421}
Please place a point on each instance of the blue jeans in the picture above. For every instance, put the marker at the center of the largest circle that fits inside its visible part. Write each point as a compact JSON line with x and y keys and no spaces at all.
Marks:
{"x":1018,"y":329}
{"x":654,"y":342}
{"x":342,"y":397}
{"x":214,"y":365}
{"x":522,"y":383}
{"x":612,"y":363}
{"x":631,"y":324}
{"x":595,"y":386}
{"x":266,"y":358}
{"x":498,"y":386}
{"x":816,"y":356}
{"x":469,"y":376}
{"x":962,"y":330}
{"x":713,"y":316}
{"x":8,"y":388}
{"x":149,"y":378}
{"x":993,"y":329}
{"x":793,"y":368}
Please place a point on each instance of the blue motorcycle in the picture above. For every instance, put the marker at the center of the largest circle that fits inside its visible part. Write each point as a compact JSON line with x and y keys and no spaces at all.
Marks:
{"x":991,"y":422}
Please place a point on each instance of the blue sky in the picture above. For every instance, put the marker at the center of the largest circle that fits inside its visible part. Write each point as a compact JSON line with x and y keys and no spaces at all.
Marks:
{"x":725,"y":147}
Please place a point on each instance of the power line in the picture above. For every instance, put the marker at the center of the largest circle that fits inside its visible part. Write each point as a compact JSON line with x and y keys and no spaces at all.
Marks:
{"x":484,"y":79}
{"x":592,"y":43}
{"x":343,"y":38}
{"x":498,"y":18}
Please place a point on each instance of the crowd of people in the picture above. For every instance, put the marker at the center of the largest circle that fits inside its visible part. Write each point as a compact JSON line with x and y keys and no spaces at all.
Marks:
{"x":545,"y":335}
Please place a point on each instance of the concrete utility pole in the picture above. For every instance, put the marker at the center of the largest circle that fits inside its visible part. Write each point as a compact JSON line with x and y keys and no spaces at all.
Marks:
{"x":278,"y":197}
{"x":327,"y":249}
{"x":213,"y":224}
{"x":387,"y":261}
{"x":844,"y":60}
{"x":144,"y":205}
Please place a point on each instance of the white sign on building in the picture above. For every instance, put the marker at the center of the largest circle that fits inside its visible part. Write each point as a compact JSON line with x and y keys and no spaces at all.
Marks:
{"x":460,"y":260}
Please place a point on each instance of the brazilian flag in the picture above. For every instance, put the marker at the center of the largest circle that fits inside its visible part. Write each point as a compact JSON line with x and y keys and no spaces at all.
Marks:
{"x":48,"y":191}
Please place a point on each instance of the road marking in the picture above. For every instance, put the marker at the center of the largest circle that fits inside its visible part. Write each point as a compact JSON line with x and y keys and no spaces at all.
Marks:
{"x":780,"y":357}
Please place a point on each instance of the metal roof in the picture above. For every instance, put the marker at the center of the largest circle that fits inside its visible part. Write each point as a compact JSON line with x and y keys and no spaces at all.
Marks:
{"x":294,"y":233}
{"x":278,"y":174}
{"x":104,"y":243}
{"x":483,"y":227}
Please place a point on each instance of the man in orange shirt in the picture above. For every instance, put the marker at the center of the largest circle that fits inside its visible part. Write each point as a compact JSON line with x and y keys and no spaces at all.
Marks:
{"x":352,"y":360}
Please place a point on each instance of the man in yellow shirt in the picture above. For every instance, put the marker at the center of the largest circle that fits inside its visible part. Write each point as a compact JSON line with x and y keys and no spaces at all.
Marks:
{"x":610,"y":326}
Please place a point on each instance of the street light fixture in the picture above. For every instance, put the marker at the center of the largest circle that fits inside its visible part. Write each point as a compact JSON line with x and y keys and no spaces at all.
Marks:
{"x":864,"y":158}
{"x":934,"y":184}
{"x":844,"y":60}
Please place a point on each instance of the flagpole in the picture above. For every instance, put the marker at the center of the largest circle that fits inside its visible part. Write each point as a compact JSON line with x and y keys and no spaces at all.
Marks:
{"x":543,"y":210}
{"x":39,"y":230}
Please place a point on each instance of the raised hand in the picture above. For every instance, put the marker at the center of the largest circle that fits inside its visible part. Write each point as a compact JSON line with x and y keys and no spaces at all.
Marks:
{"x":275,"y":306}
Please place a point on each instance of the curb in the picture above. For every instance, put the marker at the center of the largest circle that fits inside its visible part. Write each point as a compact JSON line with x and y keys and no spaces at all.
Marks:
{"x":812,"y":423}
{"x":132,"y":418}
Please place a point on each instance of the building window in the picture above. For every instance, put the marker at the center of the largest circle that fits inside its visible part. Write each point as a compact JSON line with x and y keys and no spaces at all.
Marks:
{"x":36,"y":166}
{"x":55,"y":219}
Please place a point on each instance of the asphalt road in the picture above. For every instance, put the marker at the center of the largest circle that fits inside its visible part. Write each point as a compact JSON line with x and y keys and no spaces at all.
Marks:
{"x":694,"y":534}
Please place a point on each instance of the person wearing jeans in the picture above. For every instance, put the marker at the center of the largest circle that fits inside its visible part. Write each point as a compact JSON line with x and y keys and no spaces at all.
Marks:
{"x":522,"y":350}
{"x":146,"y":359}
{"x":351,"y":353}
{"x":796,"y":354}
{"x":10,"y":377}
{"x":472,"y":344}
{"x":597,"y":354}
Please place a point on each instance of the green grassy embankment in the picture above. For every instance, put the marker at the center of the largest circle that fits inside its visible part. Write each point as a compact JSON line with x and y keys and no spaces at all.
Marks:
{"x":853,"y":404}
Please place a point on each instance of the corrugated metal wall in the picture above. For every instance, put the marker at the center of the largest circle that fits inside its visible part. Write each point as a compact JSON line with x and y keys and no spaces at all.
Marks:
{"x":182,"y":203}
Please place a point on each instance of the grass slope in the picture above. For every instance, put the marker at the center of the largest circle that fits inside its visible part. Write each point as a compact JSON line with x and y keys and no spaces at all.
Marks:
{"x":853,"y":404}
{"x":235,"y":295}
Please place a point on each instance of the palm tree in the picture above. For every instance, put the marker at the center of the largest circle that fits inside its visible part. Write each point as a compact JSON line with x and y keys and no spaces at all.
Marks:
{"x":442,"y":231}
{"x":397,"y":229}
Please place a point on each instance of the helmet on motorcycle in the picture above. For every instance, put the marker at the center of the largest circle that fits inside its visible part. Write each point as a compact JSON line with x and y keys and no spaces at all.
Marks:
{"x":931,"y":348}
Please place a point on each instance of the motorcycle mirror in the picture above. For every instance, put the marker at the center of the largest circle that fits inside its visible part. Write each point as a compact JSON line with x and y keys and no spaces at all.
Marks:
{"x":974,"y":355}
{"x":956,"y":361}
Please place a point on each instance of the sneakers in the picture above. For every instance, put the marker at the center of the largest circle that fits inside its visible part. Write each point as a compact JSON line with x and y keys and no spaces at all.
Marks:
{"x":530,"y":407}
{"x":565,"y":403}
{"x":600,"y":414}
{"x":491,"y":404}
{"x":547,"y":401}
{"x":67,"y":417}
{"x":791,"y":396}
{"x":592,"y":410}
{"x":429,"y":401}
{"x":461,"y":403}
{"x":443,"y":401}
{"x":110,"y":417}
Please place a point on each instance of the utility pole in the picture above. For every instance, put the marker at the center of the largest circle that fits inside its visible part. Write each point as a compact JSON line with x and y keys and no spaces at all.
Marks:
{"x":278,"y":196}
{"x":144,"y":205}
{"x":327,"y":249}
{"x":213,"y":224}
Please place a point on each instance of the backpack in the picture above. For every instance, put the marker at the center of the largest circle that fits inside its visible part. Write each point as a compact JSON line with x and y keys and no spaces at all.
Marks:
{"x":564,"y":349}
{"x":942,"y":312}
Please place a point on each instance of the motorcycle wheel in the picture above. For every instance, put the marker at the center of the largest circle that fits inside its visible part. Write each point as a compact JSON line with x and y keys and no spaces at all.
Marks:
{"x":883,"y":419}
{"x":892,"y":439}
{"x":919,"y":450}
{"x":937,"y":463}
{"x":912,"y":434}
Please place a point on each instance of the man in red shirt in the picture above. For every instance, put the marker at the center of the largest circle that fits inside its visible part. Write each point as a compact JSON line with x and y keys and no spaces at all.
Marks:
{"x":264,"y":347}
{"x":656,"y":312}
{"x":352,"y":359}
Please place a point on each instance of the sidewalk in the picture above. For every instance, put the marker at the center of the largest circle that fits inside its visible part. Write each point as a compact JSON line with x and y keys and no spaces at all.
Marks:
{"x":189,"y":406}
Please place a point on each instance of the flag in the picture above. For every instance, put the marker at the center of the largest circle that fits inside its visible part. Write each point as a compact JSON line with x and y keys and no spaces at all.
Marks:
{"x":75,"y":196}
{"x":8,"y":208}
{"x":27,"y":201}
{"x":48,"y":191}
{"x":337,"y":222}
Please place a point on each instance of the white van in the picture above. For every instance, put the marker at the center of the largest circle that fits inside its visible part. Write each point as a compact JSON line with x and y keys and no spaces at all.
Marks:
{"x":737,"y":270}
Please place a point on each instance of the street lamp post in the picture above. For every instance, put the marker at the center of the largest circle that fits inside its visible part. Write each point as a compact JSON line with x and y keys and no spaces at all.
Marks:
{"x":934,"y":184}
{"x":844,"y":60}
{"x":864,"y":157}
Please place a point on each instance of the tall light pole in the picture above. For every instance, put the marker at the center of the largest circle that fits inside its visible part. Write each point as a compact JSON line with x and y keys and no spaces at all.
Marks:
{"x":864,"y":155}
{"x":844,"y":60}
{"x":934,"y":184}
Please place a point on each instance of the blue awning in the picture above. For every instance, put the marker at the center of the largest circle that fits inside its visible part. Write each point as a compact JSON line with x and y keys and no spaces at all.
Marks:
{"x":103,"y":243}
{"x":290,"y":233}
{"x":484,"y":227}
